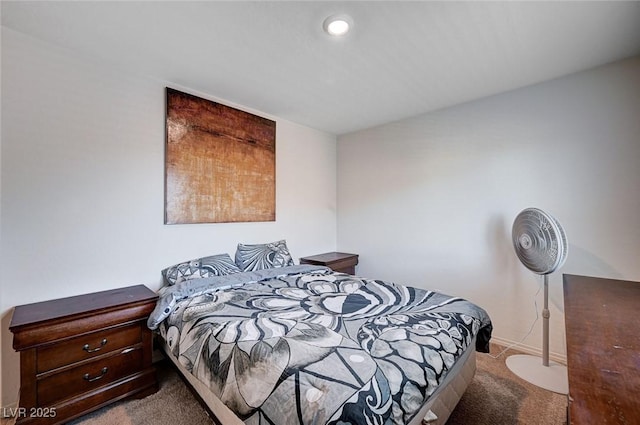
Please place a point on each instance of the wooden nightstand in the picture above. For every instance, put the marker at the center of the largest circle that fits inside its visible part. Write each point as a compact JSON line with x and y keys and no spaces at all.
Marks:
{"x":337,"y":261}
{"x":81,"y":353}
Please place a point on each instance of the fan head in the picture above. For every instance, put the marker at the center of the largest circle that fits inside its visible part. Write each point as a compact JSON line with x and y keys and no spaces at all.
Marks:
{"x":539,"y":241}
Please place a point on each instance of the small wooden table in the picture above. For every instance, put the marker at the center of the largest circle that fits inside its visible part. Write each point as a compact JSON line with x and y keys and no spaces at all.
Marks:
{"x":80,"y":353}
{"x":336,"y":261}
{"x":603,"y":350}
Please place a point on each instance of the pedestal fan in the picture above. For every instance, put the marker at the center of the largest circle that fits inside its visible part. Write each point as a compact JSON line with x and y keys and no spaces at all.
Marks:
{"x":541,"y":245}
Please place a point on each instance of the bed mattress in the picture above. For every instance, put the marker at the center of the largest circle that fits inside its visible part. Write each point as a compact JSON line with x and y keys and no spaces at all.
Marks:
{"x":435,"y":411}
{"x":305,"y":345}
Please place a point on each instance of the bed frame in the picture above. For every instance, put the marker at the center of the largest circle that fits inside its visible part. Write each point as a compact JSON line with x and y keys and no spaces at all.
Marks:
{"x":435,"y":411}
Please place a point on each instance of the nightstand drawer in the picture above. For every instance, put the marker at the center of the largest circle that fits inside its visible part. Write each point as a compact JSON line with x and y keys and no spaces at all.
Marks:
{"x":88,"y":376}
{"x":345,"y":266}
{"x":87,"y":347}
{"x":337,"y":261}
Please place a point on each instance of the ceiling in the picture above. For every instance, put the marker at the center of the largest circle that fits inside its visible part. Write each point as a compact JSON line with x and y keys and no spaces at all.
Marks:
{"x":401,"y":59}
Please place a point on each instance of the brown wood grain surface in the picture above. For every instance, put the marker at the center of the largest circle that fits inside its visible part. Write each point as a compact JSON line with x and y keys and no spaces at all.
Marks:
{"x":337,"y":261}
{"x":80,"y":353}
{"x":603,"y":350}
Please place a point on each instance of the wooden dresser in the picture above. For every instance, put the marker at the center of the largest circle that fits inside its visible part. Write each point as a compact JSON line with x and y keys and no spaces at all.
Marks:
{"x":336,"y":261}
{"x":80,"y":353}
{"x":603,"y":350}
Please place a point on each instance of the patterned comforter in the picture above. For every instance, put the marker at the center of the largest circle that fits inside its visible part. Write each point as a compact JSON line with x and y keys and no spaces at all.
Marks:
{"x":305,"y":345}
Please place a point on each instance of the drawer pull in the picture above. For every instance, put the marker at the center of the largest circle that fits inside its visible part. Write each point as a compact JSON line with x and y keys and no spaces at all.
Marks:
{"x":88,"y":377}
{"x":93,"y":350}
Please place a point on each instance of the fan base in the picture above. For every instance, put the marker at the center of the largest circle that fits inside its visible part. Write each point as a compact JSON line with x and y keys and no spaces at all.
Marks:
{"x":530,"y":368}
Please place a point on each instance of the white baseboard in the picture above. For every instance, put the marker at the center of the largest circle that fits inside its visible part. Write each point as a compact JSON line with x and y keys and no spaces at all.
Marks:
{"x":556,"y":357}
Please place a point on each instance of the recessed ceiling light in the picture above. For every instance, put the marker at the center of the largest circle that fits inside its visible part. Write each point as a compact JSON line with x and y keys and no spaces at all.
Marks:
{"x":337,"y":25}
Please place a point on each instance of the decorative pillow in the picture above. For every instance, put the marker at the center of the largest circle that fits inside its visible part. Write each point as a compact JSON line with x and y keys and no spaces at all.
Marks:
{"x":263,"y":256}
{"x":214,"y":265}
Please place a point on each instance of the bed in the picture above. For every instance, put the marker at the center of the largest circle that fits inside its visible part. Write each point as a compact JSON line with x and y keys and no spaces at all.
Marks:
{"x":302,"y":344}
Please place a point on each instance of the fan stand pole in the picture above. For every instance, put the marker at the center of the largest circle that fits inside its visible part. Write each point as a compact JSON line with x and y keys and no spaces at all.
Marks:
{"x":551,"y":376}
{"x":545,"y":323}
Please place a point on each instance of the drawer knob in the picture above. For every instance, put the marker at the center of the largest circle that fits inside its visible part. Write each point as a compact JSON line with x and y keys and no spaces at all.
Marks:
{"x":93,"y":350}
{"x":88,"y":377}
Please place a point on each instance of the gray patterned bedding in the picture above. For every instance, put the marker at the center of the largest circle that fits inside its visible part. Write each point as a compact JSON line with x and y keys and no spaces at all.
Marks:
{"x":305,"y":345}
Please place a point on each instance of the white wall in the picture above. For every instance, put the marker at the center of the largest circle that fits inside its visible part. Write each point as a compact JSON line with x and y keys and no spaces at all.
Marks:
{"x":83,"y":185}
{"x":430,"y":201}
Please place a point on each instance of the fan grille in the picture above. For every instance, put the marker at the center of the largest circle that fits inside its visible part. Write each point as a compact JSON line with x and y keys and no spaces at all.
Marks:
{"x":539,"y":241}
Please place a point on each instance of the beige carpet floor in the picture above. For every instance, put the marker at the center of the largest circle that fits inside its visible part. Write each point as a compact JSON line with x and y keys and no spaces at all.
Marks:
{"x":495,"y":397}
{"x":498,"y":397}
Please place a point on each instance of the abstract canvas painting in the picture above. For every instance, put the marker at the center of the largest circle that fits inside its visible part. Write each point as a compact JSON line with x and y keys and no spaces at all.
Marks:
{"x":220,"y":163}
